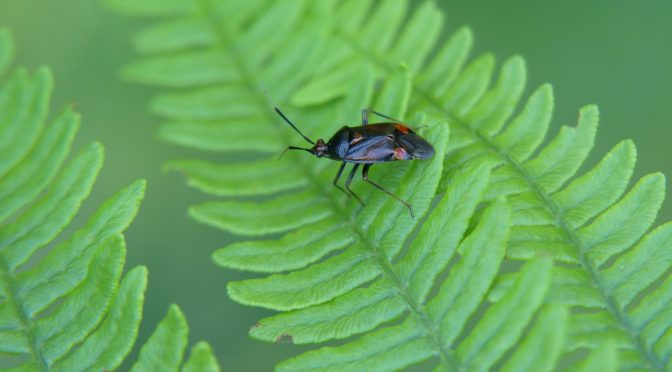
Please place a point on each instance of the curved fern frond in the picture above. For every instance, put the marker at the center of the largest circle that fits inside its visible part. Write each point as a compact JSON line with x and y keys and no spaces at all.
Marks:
{"x":64,"y":303}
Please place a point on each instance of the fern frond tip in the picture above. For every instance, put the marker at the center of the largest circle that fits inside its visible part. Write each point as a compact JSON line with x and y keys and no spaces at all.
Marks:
{"x":165,"y":347}
{"x":589,"y":114}
{"x":518,"y":61}
{"x":201,"y":359}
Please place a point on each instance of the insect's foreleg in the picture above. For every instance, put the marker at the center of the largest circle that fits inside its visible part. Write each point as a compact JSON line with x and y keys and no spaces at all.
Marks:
{"x":365,"y":117}
{"x":365,"y":175}
{"x":347,"y":183}
{"x":338,"y":175}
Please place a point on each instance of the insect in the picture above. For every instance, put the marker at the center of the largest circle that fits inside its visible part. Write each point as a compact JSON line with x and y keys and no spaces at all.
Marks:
{"x":368,"y":144}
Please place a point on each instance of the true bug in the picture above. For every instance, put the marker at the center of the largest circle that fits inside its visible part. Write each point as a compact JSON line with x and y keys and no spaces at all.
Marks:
{"x":368,"y":144}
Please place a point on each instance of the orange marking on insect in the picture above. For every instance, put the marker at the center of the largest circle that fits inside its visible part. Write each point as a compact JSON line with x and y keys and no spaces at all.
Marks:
{"x":401,"y":128}
{"x":400,"y":153}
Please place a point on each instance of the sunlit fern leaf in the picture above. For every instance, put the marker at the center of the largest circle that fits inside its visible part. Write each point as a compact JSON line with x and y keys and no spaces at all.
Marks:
{"x":323,"y":60}
{"x":64,"y":303}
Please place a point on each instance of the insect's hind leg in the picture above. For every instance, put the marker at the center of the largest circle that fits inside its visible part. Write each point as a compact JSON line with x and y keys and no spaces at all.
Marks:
{"x":347,"y":183}
{"x":338,"y":175}
{"x":365,"y":175}
{"x":365,"y":116}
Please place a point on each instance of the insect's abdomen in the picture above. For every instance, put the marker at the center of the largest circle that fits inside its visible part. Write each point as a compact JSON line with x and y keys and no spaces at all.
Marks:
{"x":416,"y":146}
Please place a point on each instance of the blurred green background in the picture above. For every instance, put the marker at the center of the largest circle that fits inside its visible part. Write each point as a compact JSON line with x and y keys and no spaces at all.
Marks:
{"x":617,"y":54}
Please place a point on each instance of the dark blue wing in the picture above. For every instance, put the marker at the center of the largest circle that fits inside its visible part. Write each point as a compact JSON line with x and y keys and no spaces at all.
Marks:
{"x":376,"y":149}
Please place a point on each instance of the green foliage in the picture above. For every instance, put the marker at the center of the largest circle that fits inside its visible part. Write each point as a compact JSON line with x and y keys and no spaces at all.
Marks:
{"x":64,"y":303}
{"x":414,"y":290}
{"x":7,"y":47}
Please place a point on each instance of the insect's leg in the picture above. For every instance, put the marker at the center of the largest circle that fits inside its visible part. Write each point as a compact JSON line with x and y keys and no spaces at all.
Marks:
{"x":347,"y":183}
{"x":365,"y":117}
{"x":338,"y":175}
{"x":365,"y":175}
{"x":383,"y":115}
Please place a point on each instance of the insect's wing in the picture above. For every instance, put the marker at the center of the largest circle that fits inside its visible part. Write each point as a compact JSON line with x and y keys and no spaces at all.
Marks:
{"x":373,"y":149}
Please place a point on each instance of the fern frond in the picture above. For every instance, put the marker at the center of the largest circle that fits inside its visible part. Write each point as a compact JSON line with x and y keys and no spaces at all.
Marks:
{"x":64,"y":305}
{"x":583,"y":220}
{"x":323,"y":60}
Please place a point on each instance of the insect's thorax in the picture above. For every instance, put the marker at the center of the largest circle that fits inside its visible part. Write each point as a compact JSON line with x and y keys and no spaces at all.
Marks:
{"x":338,"y":144}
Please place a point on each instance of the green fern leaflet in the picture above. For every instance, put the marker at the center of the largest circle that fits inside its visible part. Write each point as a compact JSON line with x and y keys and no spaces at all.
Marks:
{"x":66,"y":306}
{"x":338,"y":271}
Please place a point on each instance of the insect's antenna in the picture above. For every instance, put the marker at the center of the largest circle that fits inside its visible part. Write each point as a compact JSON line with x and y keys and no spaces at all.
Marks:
{"x":286,"y":119}
{"x":292,"y":125}
{"x":292,"y":148}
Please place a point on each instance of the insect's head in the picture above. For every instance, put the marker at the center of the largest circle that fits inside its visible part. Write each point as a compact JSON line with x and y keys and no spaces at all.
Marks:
{"x":319,"y":149}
